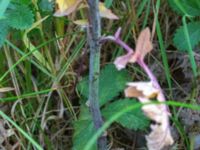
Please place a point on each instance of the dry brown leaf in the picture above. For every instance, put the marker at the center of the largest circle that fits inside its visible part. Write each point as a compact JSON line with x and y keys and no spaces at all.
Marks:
{"x":146,"y":88}
{"x":143,"y":45}
{"x":133,"y":92}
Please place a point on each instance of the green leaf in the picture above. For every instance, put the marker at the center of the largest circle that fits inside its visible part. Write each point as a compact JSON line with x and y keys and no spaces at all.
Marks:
{"x":111,"y":83}
{"x":25,"y":2}
{"x":134,"y":119}
{"x":194,"y":34}
{"x":108,"y":3}
{"x":3,"y":6}
{"x":46,"y":5}
{"x":20,"y":17}
{"x":186,"y":7}
{"x":84,"y":129}
{"x":3,"y":31}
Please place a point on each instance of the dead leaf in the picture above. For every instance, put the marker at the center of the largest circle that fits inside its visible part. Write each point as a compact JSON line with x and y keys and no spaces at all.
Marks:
{"x":159,"y":138}
{"x":160,"y":135}
{"x":6,"y":89}
{"x":4,"y":133}
{"x":133,"y":92}
{"x":155,"y":112}
{"x":146,"y":88}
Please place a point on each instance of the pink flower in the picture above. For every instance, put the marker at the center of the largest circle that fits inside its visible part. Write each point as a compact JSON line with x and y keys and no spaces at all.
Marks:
{"x":143,"y":46}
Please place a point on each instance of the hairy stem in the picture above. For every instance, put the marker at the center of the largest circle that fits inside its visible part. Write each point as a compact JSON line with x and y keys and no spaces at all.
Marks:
{"x":94,"y":33}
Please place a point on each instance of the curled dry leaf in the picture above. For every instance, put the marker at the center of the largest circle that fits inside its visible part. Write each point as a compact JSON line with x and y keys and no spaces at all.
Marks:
{"x":160,"y":135}
{"x":143,"y":46}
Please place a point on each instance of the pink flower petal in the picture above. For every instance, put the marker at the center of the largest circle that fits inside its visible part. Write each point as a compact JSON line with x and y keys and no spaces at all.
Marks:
{"x":120,"y":62}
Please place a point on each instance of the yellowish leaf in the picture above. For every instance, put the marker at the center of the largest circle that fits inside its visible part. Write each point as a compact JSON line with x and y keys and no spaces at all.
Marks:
{"x":65,"y":4}
{"x":81,"y":22}
{"x":66,"y":7}
{"x":106,"y":13}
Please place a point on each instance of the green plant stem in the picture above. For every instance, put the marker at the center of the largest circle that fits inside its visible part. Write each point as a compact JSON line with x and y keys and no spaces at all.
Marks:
{"x":190,"y":51}
{"x":94,"y":33}
{"x":25,"y":96}
{"x":180,"y":6}
{"x":162,"y":49}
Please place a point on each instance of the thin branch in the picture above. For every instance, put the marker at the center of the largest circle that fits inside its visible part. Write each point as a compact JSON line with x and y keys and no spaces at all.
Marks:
{"x":94,"y":33}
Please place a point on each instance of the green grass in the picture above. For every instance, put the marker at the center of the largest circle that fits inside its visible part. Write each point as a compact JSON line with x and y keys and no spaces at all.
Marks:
{"x":24,"y":133}
{"x":162,"y":48}
{"x":190,"y":51}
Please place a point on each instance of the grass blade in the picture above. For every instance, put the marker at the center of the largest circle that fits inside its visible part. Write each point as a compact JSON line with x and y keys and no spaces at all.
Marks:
{"x":35,"y":144}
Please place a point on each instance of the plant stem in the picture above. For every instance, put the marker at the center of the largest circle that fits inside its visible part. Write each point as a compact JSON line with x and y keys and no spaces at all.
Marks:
{"x":190,"y":51}
{"x":94,"y":33}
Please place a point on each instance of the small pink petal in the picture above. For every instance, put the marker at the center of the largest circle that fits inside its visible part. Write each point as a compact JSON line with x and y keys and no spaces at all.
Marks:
{"x":120,"y":62}
{"x":117,"y":34}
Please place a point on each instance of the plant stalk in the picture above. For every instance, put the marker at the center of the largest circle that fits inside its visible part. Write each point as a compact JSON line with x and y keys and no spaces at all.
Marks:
{"x":94,"y":33}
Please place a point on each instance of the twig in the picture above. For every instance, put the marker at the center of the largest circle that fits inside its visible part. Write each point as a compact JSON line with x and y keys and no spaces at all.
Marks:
{"x":94,"y":33}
